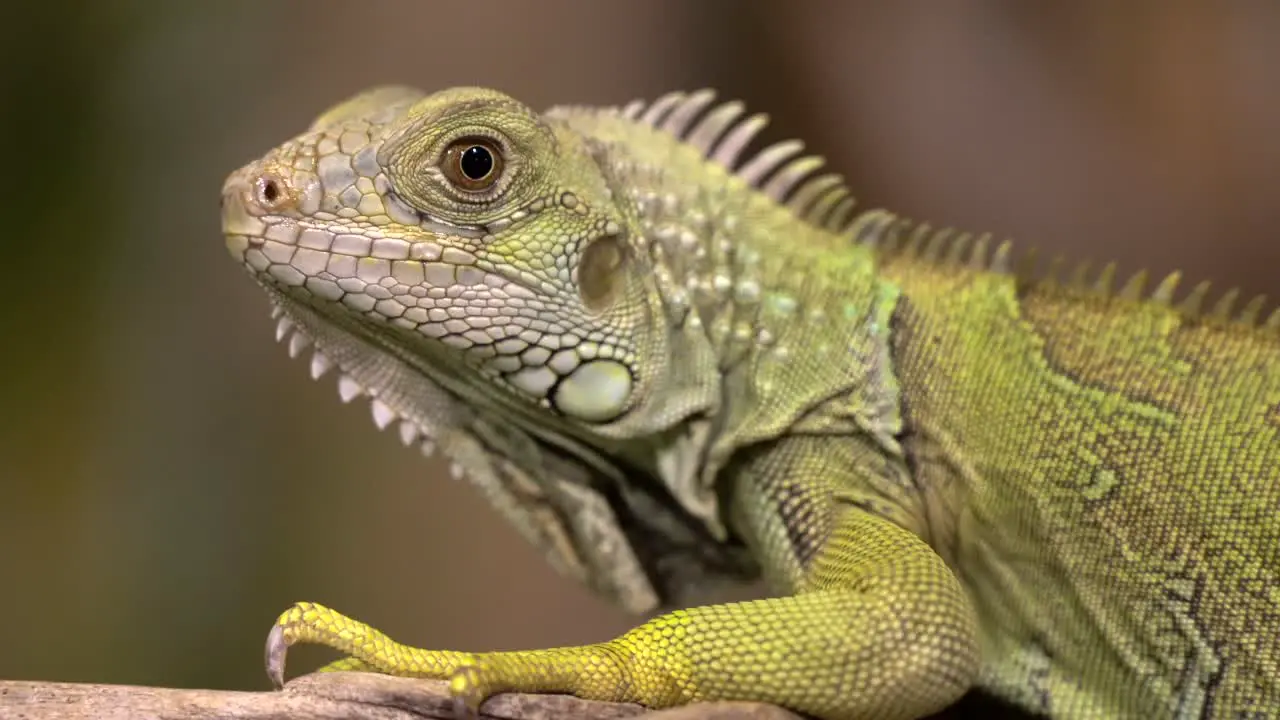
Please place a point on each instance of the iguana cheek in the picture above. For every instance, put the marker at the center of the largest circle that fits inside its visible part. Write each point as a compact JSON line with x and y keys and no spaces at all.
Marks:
{"x":595,"y":391}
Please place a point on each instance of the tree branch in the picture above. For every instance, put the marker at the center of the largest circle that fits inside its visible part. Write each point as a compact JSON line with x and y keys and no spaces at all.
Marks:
{"x":329,"y":696}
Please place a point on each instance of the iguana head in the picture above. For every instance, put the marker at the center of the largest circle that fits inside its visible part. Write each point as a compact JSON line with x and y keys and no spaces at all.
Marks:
{"x":505,"y":285}
{"x":462,"y":227}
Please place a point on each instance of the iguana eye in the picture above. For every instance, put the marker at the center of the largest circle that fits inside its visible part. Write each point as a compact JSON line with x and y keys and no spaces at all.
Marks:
{"x":472,"y":163}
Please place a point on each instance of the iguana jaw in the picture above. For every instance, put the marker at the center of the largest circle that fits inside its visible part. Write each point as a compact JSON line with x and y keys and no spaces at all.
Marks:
{"x":593,"y":535}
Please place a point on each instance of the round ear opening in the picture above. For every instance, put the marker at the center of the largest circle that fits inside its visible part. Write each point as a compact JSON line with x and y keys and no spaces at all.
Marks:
{"x":600,"y":272}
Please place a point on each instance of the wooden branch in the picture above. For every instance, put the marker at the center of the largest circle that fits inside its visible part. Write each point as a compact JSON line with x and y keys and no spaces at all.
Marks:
{"x":329,"y":696}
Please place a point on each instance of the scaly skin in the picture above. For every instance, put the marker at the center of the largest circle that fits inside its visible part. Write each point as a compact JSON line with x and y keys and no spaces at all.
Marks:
{"x":671,"y":369}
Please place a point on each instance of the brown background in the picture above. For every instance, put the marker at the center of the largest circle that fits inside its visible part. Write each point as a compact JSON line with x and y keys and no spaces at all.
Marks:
{"x":170,"y":480}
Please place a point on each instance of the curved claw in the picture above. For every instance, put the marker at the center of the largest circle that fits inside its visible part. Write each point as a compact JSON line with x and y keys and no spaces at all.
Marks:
{"x":277,"y":649}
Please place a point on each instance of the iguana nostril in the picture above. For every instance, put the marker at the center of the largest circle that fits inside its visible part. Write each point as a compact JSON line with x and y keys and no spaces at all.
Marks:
{"x":270,"y":192}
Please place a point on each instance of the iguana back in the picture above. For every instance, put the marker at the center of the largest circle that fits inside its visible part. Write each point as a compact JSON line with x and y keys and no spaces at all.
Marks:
{"x":1103,"y":470}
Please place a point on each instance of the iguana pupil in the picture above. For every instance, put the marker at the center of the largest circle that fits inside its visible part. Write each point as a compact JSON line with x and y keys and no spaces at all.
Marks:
{"x":476,"y":162}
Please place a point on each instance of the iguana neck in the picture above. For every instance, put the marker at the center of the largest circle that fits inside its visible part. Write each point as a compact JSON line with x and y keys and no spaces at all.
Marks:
{"x":766,"y":337}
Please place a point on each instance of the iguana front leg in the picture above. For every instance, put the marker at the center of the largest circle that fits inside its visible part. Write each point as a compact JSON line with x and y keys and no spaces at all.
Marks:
{"x":879,"y":627}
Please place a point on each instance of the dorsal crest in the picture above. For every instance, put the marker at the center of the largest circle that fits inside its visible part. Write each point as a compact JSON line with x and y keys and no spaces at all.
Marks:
{"x":722,"y":133}
{"x":892,"y":236}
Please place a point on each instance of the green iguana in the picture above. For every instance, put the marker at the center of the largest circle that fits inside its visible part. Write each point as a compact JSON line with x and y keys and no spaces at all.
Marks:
{"x":673,"y":363}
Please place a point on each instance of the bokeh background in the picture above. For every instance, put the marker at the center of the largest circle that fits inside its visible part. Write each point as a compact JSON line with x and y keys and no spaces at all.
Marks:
{"x":170,"y":480}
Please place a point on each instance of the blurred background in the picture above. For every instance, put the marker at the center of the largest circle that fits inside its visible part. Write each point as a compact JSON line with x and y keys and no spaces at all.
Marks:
{"x":170,"y":480}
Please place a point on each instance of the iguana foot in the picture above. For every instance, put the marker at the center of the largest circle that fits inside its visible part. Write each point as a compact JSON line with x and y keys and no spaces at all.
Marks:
{"x":590,"y":671}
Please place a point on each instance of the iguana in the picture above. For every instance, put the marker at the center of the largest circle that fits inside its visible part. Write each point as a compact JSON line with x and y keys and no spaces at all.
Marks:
{"x":675,"y":362}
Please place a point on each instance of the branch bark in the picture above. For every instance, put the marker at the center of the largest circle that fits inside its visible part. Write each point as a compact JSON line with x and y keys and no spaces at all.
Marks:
{"x":329,"y":696}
